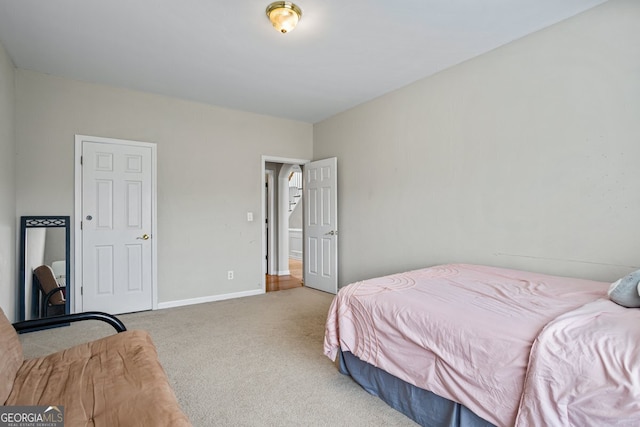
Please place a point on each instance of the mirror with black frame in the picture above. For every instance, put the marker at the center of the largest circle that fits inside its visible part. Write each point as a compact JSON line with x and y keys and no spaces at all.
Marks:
{"x":45,"y":266}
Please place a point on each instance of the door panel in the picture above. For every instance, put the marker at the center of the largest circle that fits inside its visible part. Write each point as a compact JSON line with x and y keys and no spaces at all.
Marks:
{"x":104,"y":270}
{"x":116,"y":227}
{"x":321,"y":225}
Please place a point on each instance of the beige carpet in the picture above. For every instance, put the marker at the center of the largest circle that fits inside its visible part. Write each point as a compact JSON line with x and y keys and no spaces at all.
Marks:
{"x":254,"y":361}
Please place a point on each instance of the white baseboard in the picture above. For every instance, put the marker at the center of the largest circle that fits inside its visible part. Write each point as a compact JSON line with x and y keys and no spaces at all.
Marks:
{"x":283,"y":273}
{"x":212,"y":298}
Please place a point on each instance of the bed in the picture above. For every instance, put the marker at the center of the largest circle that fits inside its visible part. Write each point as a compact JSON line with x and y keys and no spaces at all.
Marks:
{"x":475,"y":345}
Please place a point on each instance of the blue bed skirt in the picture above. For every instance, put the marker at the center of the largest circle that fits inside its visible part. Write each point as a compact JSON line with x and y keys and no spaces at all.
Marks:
{"x":422,"y":406}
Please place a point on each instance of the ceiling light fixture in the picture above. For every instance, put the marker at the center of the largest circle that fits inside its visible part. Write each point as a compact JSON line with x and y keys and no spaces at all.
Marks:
{"x":284,"y":15}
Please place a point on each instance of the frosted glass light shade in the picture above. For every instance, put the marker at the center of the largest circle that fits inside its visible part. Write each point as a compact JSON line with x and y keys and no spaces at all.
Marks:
{"x":284,"y":15}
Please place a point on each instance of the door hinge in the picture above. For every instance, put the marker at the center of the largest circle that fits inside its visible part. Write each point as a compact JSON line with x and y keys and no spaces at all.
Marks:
{"x":81,"y":290}
{"x":81,"y":225}
{"x":81,"y":158}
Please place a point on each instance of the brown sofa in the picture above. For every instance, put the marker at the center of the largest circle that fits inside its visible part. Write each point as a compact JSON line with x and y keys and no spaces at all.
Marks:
{"x":113,"y":381}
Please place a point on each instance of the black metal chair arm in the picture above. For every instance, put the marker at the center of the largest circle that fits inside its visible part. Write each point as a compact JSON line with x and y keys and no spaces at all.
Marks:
{"x":51,"y":293}
{"x":44,"y":309}
{"x":30,"y":325}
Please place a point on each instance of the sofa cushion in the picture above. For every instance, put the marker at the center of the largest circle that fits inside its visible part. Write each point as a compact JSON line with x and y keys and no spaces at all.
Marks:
{"x":11,"y":357}
{"x":112,"y":381}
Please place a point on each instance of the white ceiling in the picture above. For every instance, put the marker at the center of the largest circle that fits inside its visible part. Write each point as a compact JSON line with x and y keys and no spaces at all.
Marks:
{"x":226,"y":53}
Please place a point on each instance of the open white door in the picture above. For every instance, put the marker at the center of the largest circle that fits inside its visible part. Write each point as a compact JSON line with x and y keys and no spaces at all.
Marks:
{"x":117,"y":225}
{"x":321,"y":225}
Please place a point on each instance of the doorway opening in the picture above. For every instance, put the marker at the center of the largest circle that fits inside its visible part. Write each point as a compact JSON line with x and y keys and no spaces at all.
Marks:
{"x":283,"y":261}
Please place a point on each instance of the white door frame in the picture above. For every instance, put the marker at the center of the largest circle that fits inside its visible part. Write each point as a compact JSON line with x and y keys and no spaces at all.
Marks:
{"x":265,"y":159}
{"x":268,"y":222}
{"x":76,"y":305}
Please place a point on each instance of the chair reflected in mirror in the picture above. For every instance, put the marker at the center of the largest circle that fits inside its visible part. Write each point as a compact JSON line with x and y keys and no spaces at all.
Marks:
{"x":51,"y":295}
{"x":45,"y":286}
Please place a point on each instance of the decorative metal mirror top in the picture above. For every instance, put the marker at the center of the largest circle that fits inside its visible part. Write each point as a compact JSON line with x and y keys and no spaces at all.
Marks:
{"x":45,"y":266}
{"x":46,"y":221}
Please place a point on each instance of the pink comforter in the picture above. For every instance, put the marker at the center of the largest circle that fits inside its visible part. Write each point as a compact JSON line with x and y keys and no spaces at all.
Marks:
{"x":464,"y":332}
{"x":584,"y":369}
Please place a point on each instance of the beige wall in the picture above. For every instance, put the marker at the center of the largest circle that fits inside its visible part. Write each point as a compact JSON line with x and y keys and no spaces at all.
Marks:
{"x":209,"y":167}
{"x":8,"y":284}
{"x":524,"y":157}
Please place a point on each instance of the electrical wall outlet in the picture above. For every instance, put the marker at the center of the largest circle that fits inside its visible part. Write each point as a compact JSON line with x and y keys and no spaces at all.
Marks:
{"x":230,"y":274}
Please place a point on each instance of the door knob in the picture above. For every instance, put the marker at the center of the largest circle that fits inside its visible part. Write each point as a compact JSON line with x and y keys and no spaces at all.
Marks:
{"x":331,"y":233}
{"x":143,"y":237}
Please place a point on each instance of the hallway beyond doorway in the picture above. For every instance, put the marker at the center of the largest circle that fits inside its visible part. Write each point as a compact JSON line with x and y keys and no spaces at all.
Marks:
{"x":294,"y":280}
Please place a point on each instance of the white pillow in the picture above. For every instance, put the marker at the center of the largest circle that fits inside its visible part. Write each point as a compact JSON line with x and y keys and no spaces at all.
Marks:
{"x":626,"y":291}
